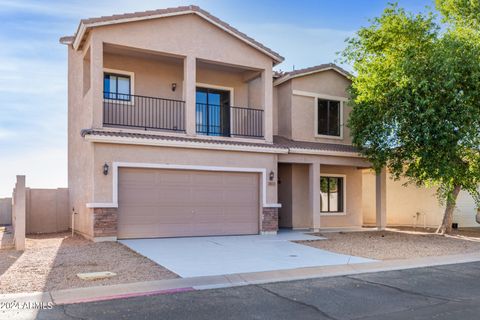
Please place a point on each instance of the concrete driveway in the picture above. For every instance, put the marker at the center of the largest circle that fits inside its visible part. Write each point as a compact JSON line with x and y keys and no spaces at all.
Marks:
{"x":208,"y":256}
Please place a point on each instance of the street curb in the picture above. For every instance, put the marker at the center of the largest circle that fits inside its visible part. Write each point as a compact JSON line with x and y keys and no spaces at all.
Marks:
{"x":169,"y":286}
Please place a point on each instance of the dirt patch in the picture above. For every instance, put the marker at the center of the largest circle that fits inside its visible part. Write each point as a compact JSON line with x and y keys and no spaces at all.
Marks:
{"x":388,"y":245}
{"x":51,"y":262}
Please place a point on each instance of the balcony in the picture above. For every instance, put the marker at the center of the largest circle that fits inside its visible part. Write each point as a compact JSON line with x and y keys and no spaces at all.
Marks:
{"x":150,"y":113}
{"x":228,"y":121}
{"x":140,"y":112}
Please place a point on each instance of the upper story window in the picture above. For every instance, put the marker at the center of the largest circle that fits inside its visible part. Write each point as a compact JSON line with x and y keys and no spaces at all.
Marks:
{"x":328,"y":117}
{"x":116,"y":86}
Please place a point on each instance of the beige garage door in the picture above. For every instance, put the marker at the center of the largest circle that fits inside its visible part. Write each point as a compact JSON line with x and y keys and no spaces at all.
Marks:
{"x":175,"y":203}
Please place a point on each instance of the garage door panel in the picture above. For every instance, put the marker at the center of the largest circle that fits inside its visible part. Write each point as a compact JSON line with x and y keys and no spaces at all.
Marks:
{"x":240,"y":180}
{"x":172,"y":177}
{"x":207,"y":179}
{"x":172,"y":203}
{"x":134,"y":177}
{"x":150,"y":215}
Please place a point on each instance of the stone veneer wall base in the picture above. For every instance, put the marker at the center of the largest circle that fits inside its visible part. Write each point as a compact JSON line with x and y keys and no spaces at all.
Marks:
{"x":105,"y":223}
{"x":269,"y":221}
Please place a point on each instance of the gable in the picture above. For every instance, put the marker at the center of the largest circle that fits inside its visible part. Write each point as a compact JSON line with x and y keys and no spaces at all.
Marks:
{"x":327,"y":82}
{"x":87,"y":25}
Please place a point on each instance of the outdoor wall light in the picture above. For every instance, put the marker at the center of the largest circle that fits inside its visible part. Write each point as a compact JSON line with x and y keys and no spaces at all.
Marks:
{"x":105,"y":169}
{"x":271,"y":176}
{"x":174,"y":86}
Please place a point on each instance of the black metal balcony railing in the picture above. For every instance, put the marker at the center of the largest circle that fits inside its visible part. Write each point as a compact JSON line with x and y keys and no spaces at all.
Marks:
{"x":133,"y":111}
{"x":226,"y":121}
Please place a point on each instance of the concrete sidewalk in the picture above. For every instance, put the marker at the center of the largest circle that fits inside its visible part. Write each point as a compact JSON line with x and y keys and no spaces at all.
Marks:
{"x":100,"y":293}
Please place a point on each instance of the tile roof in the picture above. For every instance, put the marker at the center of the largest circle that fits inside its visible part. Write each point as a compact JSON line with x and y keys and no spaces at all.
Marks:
{"x":320,"y":146}
{"x":278,"y":141}
{"x":318,"y":68}
{"x":321,"y":67}
{"x":85,"y":132}
{"x":117,"y":18}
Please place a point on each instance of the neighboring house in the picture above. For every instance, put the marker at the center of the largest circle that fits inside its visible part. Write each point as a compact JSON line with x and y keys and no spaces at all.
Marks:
{"x":409,"y":205}
{"x":177,"y":126}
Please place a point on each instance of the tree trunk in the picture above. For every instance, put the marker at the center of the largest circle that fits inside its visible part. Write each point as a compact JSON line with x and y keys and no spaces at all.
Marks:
{"x":446,"y":226}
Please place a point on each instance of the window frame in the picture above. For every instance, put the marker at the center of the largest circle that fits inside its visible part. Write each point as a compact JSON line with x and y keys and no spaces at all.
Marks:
{"x":124,"y":73}
{"x":216,"y":87}
{"x":317,"y":96}
{"x":344,"y":195}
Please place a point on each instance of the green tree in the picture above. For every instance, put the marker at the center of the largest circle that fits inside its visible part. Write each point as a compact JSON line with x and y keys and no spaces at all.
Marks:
{"x":416,"y":101}
{"x":461,"y":12}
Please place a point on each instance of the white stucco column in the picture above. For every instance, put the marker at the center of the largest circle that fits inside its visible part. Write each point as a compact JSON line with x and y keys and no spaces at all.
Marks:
{"x":314,"y":194}
{"x":96,"y":78}
{"x":189,"y":93}
{"x":381,"y":199}
{"x":267,"y":101}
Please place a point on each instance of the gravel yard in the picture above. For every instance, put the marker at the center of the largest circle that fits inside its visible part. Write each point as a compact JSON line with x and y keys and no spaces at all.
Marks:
{"x":51,"y":262}
{"x":396,"y":244}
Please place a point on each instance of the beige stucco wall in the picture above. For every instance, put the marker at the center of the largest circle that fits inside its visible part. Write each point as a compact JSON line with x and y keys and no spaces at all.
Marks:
{"x":330,"y":83}
{"x":47,"y":210}
{"x":161,"y":155}
{"x":5,"y":211}
{"x":301,"y":215}
{"x":295,"y":114}
{"x":152,"y":77}
{"x":294,"y":196}
{"x":353,"y":212}
{"x":403,"y":203}
{"x":80,"y":152}
{"x":465,"y":211}
{"x":282,"y":109}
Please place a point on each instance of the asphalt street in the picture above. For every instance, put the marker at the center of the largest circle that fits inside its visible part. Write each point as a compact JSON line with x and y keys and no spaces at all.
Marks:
{"x":442,"y":292}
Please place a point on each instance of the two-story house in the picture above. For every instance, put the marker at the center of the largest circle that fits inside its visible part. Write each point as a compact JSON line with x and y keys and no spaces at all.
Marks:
{"x":177,"y":126}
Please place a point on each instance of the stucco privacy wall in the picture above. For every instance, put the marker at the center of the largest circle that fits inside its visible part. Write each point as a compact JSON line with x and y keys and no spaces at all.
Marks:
{"x":194,"y":38}
{"x":403,"y":203}
{"x":5,"y":211}
{"x":47,"y":210}
{"x":161,"y":155}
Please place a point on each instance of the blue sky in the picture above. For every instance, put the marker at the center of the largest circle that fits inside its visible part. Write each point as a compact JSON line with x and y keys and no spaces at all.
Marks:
{"x":33,"y":66}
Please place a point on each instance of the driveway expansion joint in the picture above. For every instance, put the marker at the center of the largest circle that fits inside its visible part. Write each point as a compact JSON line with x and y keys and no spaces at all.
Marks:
{"x":323,"y":313}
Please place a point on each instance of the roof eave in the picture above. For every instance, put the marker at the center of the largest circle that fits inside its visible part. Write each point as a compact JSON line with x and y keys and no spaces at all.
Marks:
{"x":287,"y":77}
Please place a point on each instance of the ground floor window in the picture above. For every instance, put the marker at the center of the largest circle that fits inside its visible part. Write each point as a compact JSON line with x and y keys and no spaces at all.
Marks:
{"x":332,"y":194}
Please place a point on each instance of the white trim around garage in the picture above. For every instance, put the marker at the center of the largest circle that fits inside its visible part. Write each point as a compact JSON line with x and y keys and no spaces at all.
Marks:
{"x":117,"y":165}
